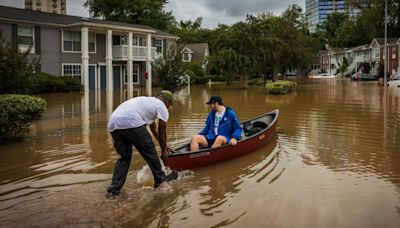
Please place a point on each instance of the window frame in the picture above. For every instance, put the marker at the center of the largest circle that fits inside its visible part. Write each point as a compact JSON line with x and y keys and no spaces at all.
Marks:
{"x":24,"y":47}
{"x":80,"y":35}
{"x":133,"y":72}
{"x":72,"y":70}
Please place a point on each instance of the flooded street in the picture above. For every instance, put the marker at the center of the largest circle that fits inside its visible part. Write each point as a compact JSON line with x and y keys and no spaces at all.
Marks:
{"x":334,"y":162}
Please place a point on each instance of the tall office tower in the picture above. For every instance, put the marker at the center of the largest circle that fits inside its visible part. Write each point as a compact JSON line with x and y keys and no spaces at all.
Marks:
{"x":318,"y":10}
{"x":50,"y":6}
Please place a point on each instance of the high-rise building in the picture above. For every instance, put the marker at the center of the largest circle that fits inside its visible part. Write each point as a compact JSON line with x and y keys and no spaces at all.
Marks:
{"x":317,"y":11}
{"x":50,"y":6}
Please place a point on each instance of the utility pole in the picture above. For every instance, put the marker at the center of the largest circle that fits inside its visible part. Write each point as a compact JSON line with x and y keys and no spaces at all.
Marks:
{"x":385,"y":50}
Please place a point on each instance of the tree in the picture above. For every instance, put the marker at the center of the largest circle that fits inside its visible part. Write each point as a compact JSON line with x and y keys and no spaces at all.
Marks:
{"x":147,"y":12}
{"x":170,"y":71}
{"x":15,"y":70}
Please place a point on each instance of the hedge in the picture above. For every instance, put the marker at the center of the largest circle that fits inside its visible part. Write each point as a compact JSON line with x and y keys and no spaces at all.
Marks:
{"x":46,"y":83}
{"x":280,"y":87}
{"x":17,"y":112}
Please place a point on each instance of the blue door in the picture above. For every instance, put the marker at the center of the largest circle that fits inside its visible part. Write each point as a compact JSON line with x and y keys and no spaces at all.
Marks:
{"x":92,"y":75}
{"x":117,"y":77}
{"x":102,"y":77}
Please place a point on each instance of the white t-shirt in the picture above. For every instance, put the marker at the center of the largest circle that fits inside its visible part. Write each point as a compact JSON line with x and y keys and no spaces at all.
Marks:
{"x":218,"y":118}
{"x":136,"y":112}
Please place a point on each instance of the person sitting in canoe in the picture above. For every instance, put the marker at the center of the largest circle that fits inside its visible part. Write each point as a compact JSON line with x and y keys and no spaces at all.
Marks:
{"x":222,"y":127}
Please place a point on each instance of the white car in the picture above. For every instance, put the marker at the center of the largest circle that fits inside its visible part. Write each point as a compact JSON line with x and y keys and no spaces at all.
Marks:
{"x":395,"y":81}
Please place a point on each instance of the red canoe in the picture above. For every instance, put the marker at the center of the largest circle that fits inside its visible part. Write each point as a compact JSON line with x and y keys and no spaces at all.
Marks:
{"x":256,"y":132}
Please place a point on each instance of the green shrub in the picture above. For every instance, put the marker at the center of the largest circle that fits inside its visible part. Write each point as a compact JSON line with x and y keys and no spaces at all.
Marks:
{"x":46,"y":83}
{"x":16,"y":114}
{"x":280,"y":87}
{"x":195,"y":68}
{"x":255,"y":81}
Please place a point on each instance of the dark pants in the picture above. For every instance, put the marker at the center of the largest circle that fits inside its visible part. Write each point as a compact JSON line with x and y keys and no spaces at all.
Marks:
{"x":141,"y":139}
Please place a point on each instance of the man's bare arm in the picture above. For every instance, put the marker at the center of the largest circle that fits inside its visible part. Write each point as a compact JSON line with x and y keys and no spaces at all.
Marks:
{"x":153,"y":128}
{"x":162,"y":135}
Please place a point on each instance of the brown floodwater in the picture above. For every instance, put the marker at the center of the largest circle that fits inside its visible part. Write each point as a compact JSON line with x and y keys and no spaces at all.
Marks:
{"x":334,"y":162}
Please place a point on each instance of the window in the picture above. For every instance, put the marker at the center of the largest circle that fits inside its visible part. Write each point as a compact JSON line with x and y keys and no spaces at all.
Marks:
{"x":394,"y":51}
{"x":135,"y":74}
{"x":72,"y":70}
{"x":72,"y":41}
{"x":185,"y":56}
{"x":25,"y":38}
{"x":158,"y":44}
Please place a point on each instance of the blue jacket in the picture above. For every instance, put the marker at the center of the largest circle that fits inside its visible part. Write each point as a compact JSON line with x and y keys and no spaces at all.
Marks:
{"x":228,"y":127}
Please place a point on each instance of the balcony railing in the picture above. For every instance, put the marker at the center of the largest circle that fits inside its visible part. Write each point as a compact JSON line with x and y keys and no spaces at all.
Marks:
{"x":120,"y":52}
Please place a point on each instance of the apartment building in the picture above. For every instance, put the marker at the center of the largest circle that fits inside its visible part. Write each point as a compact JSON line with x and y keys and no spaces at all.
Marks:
{"x":102,"y":54}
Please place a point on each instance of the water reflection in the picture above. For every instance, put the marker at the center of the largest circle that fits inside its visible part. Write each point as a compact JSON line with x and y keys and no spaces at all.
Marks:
{"x":333,"y":163}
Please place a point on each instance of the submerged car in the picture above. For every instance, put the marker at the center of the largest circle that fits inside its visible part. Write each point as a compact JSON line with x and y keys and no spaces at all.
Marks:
{"x":395,"y":81}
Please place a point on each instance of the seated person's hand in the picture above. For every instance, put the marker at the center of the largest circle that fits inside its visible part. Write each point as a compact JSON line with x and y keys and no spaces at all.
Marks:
{"x":233,"y":142}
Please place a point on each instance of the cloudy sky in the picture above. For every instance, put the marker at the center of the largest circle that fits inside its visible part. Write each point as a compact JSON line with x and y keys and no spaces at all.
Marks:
{"x":213,"y":12}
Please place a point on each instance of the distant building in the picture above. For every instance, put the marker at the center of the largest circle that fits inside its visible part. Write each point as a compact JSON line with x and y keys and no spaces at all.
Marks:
{"x":49,"y":6}
{"x":317,"y":11}
{"x":195,"y":52}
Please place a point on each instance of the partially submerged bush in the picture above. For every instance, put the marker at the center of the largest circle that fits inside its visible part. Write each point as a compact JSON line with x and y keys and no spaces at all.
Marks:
{"x":280,"y":87}
{"x":46,"y":83}
{"x":17,"y":112}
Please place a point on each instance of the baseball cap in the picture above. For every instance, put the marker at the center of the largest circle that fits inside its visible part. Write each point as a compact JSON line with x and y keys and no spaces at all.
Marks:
{"x":166,"y":95}
{"x":214,"y":99}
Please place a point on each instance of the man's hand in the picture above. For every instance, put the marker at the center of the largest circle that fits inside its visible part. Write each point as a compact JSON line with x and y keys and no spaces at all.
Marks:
{"x":170,"y":150}
{"x":233,"y":142}
{"x":164,"y":155}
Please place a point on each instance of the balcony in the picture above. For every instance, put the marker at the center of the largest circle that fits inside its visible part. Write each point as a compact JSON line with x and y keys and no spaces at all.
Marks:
{"x":367,"y":58}
{"x":120,"y":52}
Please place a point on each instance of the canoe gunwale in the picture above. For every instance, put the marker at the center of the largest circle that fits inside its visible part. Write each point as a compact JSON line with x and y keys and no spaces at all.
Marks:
{"x":270,"y":125}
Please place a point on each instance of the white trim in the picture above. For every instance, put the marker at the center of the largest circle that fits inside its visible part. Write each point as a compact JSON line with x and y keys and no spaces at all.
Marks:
{"x":72,"y":64}
{"x":138,"y":74}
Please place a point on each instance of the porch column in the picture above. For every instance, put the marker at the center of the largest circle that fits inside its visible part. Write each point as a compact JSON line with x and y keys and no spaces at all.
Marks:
{"x":130,"y":62}
{"x":85,"y":58}
{"x":109,"y":58}
{"x":148,"y":63}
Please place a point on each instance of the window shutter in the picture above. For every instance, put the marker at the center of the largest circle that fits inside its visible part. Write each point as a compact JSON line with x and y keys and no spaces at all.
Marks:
{"x":37,"y":40}
{"x":14,"y":44}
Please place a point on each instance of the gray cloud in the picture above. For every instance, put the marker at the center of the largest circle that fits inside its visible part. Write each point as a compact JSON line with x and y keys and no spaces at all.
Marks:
{"x":216,"y":12}
{"x":75,"y":7}
{"x":213,"y":12}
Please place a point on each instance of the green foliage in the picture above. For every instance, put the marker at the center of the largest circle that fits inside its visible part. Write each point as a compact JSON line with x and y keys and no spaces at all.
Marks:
{"x":170,"y":70}
{"x":46,"y":83}
{"x":280,"y":87}
{"x":255,"y":81}
{"x":344,"y":66}
{"x":16,"y":114}
{"x":147,"y":12}
{"x":14,"y":69}
{"x":341,"y":31}
{"x":195,"y":68}
{"x":217,"y":78}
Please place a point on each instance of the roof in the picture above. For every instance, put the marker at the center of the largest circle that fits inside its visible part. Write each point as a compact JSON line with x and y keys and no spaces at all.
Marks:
{"x":381,"y":41}
{"x":38,"y":17}
{"x":198,"y":49}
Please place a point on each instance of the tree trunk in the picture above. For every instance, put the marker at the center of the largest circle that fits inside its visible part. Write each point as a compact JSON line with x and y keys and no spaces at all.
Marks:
{"x":275,"y":71}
